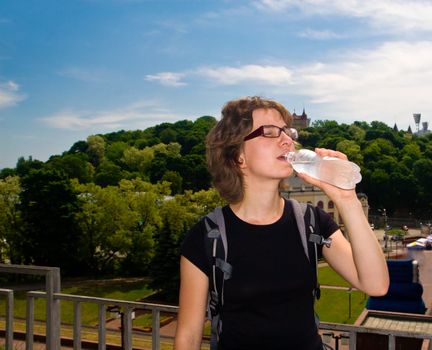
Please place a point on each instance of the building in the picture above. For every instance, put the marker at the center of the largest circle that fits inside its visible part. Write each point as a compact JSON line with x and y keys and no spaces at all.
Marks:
{"x":300,"y":121}
{"x":295,"y":187}
{"x":424,"y":130}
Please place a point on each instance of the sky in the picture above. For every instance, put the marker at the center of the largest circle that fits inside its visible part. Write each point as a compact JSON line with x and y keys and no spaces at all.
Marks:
{"x":74,"y":68}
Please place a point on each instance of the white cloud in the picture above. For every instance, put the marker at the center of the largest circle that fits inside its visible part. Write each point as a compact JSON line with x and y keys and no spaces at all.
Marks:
{"x":393,"y":81}
{"x":394,"y":15}
{"x":167,"y":78}
{"x":140,"y":114}
{"x":269,"y":75}
{"x":320,"y":34}
{"x":9,"y":94}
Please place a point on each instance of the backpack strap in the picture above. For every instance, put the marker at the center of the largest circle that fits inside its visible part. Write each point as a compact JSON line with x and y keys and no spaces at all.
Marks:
{"x":310,"y":237}
{"x":221,"y":270}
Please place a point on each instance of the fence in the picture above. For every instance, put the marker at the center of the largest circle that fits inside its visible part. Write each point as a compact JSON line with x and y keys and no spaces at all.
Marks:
{"x":53,"y":326}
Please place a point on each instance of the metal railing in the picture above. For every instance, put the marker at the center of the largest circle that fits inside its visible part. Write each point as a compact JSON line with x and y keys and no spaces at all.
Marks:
{"x":127,"y":308}
{"x":52,"y":285}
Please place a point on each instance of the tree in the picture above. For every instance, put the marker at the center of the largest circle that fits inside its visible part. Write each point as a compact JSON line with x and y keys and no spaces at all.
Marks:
{"x":352,"y":150}
{"x":6,"y":172}
{"x":108,"y":174}
{"x":138,"y":160}
{"x":114,"y":151}
{"x":75,"y":166}
{"x":106,"y":221}
{"x":176,"y":221}
{"x":144,"y":200}
{"x":49,"y":208}
{"x":178,"y":215}
{"x":24,"y":166}
{"x":422,"y":170}
{"x":175,"y":180}
{"x":95,"y":149}
{"x":10,"y":220}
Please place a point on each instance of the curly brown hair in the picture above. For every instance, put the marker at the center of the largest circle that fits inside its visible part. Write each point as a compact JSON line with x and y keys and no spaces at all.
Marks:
{"x":225,"y":140}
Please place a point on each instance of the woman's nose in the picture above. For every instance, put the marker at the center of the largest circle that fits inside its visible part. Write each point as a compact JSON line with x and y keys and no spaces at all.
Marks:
{"x":285,"y":139}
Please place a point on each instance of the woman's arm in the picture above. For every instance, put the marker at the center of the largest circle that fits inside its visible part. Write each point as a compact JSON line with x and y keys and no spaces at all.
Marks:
{"x":192,"y":306}
{"x":360,"y":261}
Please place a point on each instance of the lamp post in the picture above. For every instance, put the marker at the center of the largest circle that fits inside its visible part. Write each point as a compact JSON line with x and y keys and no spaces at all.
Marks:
{"x":119,"y":313}
{"x":349,"y":291}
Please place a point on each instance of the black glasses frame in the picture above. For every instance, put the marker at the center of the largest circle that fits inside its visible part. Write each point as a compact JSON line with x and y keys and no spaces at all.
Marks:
{"x":291,"y":132}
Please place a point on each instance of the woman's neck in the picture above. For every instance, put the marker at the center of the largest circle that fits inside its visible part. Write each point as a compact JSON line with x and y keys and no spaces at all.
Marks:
{"x":259,"y":208}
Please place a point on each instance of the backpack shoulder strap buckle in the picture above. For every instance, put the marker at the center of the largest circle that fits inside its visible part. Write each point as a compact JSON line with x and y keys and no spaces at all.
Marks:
{"x":320,"y":240}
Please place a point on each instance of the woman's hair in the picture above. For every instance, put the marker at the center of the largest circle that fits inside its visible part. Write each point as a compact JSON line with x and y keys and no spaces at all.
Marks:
{"x":224,"y":143}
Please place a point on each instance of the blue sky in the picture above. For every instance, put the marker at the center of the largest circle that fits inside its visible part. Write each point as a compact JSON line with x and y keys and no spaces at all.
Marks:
{"x":74,"y":68}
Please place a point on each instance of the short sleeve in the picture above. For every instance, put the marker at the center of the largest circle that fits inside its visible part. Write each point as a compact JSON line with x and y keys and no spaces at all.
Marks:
{"x":326,"y":223}
{"x":193,"y":247}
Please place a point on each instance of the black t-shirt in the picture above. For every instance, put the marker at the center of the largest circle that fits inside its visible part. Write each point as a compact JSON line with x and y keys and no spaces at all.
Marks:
{"x":268,"y":300}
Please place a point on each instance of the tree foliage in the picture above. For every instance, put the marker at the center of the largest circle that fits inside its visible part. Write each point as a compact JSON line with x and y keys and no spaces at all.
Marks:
{"x":120,"y":203}
{"x":50,"y":234}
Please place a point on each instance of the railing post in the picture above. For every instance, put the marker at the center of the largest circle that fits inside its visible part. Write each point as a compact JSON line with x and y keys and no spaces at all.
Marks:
{"x":127,"y":328}
{"x":352,"y":340}
{"x":52,"y":309}
{"x":77,"y":326}
{"x":102,"y":329}
{"x":155,"y":329}
{"x":9,"y":318}
{"x":391,"y":342}
{"x":29,"y":322}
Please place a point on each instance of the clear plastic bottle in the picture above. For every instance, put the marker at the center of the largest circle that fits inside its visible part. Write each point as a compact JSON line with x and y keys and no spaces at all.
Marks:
{"x":338,"y":172}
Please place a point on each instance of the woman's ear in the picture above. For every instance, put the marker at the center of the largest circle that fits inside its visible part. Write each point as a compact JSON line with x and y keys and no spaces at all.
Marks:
{"x":241,"y":162}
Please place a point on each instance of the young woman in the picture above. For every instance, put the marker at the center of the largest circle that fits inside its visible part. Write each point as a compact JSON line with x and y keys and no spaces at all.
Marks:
{"x":267,"y":301}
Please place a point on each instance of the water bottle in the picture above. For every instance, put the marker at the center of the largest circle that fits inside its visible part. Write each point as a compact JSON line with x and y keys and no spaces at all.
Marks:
{"x":338,"y":172}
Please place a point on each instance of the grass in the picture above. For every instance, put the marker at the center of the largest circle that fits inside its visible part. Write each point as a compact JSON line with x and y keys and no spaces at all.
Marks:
{"x":113,"y":289}
{"x":328,"y":277}
{"x":333,"y":306}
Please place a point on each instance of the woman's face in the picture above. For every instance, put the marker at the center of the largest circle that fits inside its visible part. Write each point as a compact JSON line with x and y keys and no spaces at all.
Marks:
{"x":262,"y":157}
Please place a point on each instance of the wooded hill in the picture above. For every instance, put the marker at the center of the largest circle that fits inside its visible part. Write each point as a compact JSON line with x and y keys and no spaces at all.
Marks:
{"x":396,"y":165}
{"x":120,"y":203}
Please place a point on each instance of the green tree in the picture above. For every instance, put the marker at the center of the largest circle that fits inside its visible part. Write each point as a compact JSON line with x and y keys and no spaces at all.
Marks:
{"x":138,"y":160}
{"x":49,"y":207}
{"x":95,"y":149}
{"x":24,"y":166}
{"x":143,"y":199}
{"x":108,"y":174}
{"x":10,"y":220}
{"x":176,"y":220}
{"x":422,"y":170}
{"x":175,"y":180}
{"x":107,"y":223}
{"x":352,"y":150}
{"x":114,"y":151}
{"x":178,"y":215}
{"x":75,"y":166}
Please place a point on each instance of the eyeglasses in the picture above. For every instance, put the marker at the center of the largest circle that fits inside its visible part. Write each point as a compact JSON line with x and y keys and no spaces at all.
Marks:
{"x":272,"y":131}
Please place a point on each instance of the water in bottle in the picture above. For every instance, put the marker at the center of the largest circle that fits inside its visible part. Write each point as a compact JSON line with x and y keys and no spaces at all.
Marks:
{"x":338,"y":172}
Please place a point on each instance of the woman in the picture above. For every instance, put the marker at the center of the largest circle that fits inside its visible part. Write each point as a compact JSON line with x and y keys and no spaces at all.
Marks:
{"x":267,"y":301}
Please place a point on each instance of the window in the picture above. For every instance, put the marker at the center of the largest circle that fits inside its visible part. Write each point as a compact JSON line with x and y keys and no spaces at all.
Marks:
{"x":330,"y":205}
{"x":320,"y":204}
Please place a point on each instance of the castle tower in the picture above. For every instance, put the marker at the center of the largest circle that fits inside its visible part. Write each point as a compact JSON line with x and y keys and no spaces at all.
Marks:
{"x":300,"y":121}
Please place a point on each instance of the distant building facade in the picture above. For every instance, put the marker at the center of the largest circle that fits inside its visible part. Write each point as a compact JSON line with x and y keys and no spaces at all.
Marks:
{"x":294,"y":187}
{"x":300,"y":121}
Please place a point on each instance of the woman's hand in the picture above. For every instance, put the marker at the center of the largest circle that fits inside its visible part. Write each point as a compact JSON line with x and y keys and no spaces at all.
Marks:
{"x":336,"y":194}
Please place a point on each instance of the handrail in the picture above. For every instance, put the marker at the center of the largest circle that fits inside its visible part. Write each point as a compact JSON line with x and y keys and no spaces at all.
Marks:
{"x":126,"y":309}
{"x":52,"y":285}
